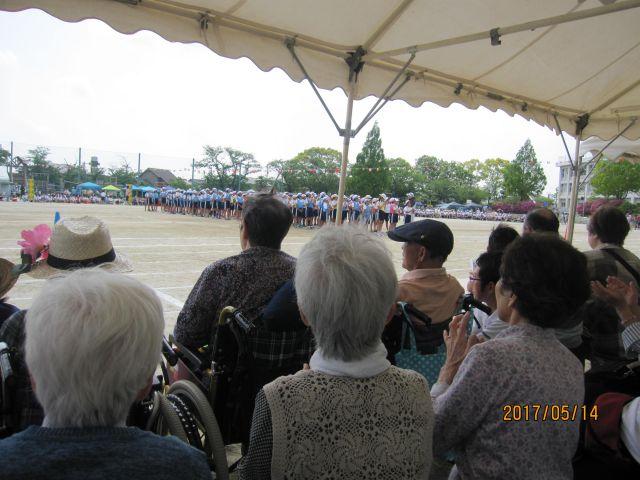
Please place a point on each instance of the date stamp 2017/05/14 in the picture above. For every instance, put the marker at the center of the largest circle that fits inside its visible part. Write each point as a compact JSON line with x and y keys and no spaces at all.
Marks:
{"x":548,"y":413}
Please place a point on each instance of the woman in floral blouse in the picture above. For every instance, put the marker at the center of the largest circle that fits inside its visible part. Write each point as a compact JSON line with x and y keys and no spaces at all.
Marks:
{"x":511,"y":407}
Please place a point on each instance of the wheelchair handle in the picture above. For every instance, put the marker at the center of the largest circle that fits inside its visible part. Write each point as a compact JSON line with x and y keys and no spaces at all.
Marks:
{"x":228,"y":313}
{"x":169,"y":353}
{"x":8,"y":377}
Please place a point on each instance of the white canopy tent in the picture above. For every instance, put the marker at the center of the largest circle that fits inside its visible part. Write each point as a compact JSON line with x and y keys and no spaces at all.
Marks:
{"x":567,"y":64}
{"x":612,"y":150}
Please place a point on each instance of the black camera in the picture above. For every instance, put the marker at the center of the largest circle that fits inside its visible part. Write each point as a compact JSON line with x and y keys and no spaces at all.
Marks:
{"x":469,"y":302}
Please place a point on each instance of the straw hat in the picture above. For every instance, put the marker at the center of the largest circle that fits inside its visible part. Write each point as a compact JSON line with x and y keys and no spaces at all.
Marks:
{"x":80,"y":243}
{"x":7,"y":278}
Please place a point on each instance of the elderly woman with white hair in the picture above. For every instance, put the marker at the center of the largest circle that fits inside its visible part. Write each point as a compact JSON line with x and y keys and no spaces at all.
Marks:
{"x":351,"y":415}
{"x":93,"y":342}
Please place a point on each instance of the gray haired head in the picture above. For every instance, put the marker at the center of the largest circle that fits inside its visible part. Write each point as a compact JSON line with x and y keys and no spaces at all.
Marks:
{"x":346,"y":285}
{"x":92,"y":344}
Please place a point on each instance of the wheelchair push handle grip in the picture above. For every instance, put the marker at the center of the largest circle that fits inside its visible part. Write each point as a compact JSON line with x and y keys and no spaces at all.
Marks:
{"x":243,"y":323}
{"x":6,"y":369}
{"x":169,"y":353}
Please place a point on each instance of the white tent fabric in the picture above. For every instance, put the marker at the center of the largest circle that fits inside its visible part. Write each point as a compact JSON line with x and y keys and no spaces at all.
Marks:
{"x":560,"y":65}
{"x":620,"y":147}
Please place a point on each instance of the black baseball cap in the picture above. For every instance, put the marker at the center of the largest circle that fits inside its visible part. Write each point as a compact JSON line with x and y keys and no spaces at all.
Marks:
{"x":436,"y":236}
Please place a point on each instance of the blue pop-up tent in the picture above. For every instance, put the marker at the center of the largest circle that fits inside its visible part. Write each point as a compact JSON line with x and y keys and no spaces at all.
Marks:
{"x":88,"y":186}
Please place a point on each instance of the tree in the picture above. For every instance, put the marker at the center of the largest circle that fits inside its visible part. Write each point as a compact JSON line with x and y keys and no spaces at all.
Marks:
{"x":524,"y":176}
{"x":370,"y":174}
{"x":74,"y":175}
{"x":227,"y":167}
{"x":404,"y":178}
{"x":474,"y":168}
{"x":40,"y":169}
{"x":284,"y":174}
{"x":180,"y":183}
{"x":616,"y":179}
{"x":4,"y":157}
{"x":446,"y":181}
{"x":123,"y":174}
{"x":315,"y":169}
{"x":492,"y":175}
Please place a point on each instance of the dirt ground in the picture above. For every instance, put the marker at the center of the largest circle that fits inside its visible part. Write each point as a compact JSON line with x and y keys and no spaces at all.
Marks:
{"x":170,"y":251}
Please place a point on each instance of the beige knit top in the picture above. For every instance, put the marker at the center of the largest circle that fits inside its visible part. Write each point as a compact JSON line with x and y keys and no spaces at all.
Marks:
{"x":351,"y":428}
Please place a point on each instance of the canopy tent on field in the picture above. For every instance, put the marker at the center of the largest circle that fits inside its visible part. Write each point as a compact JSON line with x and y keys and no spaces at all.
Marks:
{"x":111,"y":188}
{"x":88,"y":186}
{"x":570,"y":65}
{"x":450,"y":206}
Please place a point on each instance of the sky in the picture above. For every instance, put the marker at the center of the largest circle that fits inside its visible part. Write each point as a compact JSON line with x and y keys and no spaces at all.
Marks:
{"x":69,"y":86}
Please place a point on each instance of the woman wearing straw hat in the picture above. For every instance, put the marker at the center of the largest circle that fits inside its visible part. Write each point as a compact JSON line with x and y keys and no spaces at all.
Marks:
{"x":75,"y":243}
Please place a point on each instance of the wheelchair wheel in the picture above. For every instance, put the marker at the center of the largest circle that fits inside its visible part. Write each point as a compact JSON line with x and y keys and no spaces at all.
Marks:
{"x":207,"y":426}
{"x":164,"y":419}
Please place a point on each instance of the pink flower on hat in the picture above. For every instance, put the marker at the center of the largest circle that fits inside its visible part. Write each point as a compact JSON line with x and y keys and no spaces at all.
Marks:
{"x":35,"y":241}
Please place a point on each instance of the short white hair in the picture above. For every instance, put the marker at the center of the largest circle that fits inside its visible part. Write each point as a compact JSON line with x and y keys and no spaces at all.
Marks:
{"x":93,"y":341}
{"x":345,"y":284}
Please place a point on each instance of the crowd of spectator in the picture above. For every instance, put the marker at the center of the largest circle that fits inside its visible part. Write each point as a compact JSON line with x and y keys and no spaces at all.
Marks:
{"x":510,"y":399}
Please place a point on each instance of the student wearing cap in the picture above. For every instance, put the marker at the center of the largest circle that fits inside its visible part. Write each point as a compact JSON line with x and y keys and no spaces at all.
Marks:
{"x":393,"y":213}
{"x":409,"y":208}
{"x":426,"y":285}
{"x":334,"y":206}
{"x":383,"y":212}
{"x":325,"y":210}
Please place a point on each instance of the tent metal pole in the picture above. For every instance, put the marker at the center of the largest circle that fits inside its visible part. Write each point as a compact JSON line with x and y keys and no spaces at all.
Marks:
{"x":566,"y":148}
{"x":290,"y":44}
{"x":383,"y":98}
{"x":345,"y":148}
{"x":574,"y":190}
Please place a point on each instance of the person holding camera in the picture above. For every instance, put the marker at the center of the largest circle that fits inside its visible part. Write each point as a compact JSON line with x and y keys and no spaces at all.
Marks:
{"x":482,"y":285}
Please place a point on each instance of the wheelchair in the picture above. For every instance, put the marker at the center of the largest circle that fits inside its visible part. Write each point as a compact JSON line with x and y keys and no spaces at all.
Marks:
{"x":206,"y":397}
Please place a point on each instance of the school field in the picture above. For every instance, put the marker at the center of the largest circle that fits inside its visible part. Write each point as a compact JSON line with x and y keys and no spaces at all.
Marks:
{"x":170,"y":251}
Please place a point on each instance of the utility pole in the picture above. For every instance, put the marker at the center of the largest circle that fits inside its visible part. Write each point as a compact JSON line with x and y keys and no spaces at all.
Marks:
{"x":79,"y":163}
{"x":138,"y":164}
{"x":193,"y":170}
{"x":11,"y":163}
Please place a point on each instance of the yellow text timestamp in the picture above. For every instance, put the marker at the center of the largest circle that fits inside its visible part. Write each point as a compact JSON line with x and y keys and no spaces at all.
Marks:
{"x":548,"y":413}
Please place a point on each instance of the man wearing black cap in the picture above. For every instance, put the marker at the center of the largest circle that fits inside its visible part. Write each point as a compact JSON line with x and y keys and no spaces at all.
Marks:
{"x":426,"y":285}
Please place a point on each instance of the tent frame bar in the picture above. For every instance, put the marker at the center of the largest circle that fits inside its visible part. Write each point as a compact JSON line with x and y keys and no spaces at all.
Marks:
{"x":290,"y":44}
{"x":566,"y":148}
{"x":384,"y":98}
{"x":355,"y":65}
{"x":598,"y":156}
{"x":495,"y":34}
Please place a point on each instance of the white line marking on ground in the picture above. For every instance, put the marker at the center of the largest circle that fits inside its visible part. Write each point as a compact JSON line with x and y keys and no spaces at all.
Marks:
{"x":169,"y":299}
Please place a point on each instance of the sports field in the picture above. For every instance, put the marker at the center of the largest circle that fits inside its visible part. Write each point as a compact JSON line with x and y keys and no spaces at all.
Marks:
{"x":169,"y":252}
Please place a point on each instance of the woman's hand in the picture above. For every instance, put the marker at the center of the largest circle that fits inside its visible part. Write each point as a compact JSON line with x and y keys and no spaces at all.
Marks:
{"x":623,"y":297}
{"x":616,"y":293}
{"x":458,"y":345}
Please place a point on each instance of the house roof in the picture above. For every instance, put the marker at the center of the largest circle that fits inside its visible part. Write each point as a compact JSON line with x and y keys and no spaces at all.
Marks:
{"x":164,"y":175}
